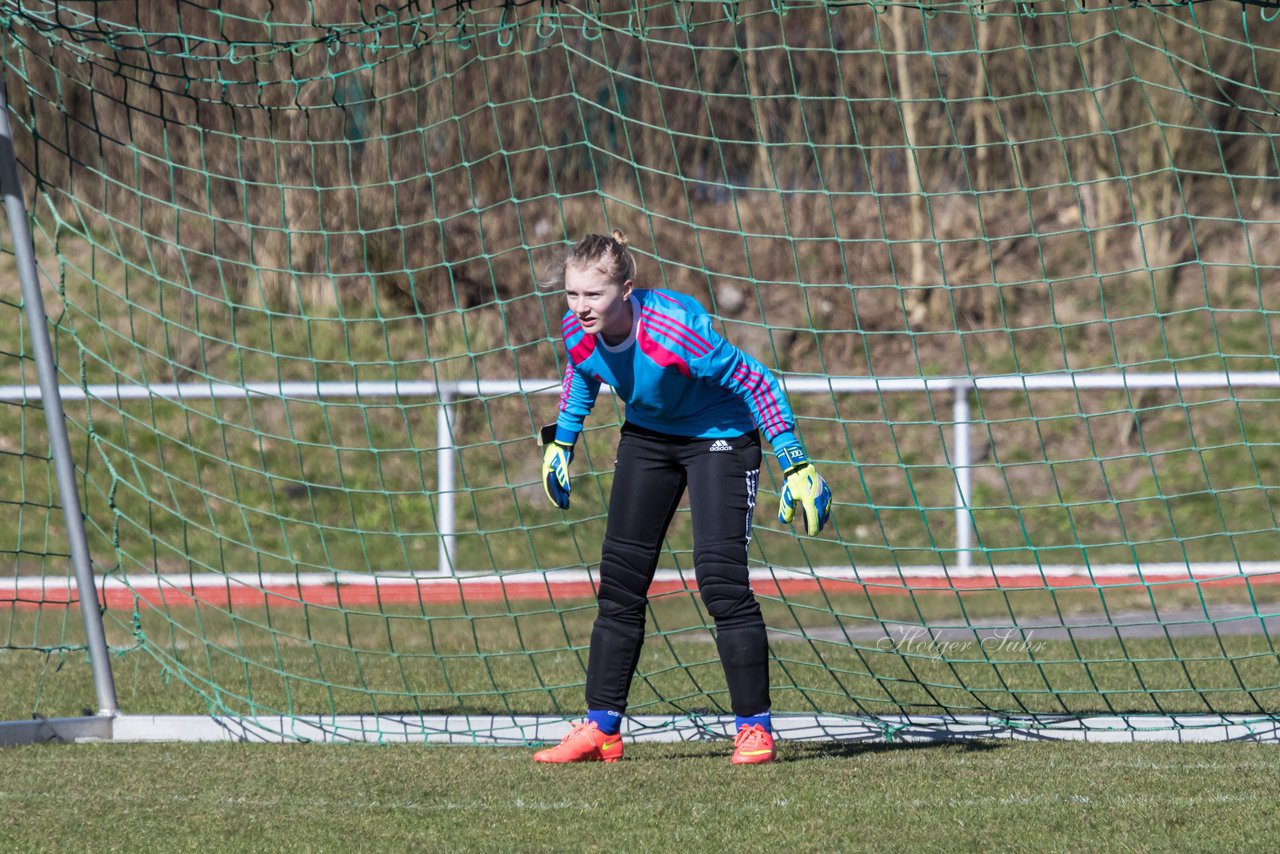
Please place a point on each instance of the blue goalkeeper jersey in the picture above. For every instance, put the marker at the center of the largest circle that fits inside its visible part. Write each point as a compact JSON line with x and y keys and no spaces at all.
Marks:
{"x":677,"y":375}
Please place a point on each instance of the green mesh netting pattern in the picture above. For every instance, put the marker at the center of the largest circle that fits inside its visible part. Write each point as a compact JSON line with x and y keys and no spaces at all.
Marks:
{"x":239,"y":192}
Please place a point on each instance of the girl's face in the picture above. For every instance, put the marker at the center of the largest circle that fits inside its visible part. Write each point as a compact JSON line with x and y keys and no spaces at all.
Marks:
{"x":600,"y":305}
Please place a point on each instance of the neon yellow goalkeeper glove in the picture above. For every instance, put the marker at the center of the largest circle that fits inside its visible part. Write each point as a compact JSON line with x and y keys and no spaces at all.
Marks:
{"x":555,"y":473}
{"x":806,"y":490}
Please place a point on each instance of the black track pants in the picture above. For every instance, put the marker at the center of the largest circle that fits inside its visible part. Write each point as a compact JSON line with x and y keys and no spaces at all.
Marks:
{"x":653,"y":471}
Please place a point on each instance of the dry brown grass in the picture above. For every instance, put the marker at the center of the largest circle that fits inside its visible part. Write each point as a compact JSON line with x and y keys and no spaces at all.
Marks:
{"x":921,"y":178}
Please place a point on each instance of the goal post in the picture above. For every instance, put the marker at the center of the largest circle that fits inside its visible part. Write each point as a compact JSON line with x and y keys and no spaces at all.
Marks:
{"x":1014,"y":262}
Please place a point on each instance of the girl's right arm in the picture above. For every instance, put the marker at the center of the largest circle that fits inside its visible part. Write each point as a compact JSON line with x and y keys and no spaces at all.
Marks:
{"x":578,"y":394}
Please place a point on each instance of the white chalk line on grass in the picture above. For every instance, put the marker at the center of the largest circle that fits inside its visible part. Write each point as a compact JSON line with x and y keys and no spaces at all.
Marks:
{"x":295,"y":802}
{"x":1125,"y":800}
{"x":1093,"y":800}
{"x":1106,"y":573}
{"x":1101,"y":761}
{"x":1098,"y":758}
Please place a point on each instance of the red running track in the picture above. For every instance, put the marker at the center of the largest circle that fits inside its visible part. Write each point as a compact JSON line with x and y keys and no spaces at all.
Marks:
{"x":352,"y":590}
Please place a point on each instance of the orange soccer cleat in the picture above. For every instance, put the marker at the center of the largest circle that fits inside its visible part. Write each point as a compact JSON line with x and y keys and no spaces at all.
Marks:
{"x":753,"y":744}
{"x":584,"y":743}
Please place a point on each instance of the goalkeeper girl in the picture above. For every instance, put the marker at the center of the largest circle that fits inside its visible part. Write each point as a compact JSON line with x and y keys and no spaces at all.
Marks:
{"x":695,"y":408}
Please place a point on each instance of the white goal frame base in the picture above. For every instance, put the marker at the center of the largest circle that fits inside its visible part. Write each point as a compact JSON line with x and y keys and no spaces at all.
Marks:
{"x":524,"y":730}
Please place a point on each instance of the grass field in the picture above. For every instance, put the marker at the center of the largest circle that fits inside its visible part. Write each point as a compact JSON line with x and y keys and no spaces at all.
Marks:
{"x":1178,"y":649}
{"x":975,"y":797}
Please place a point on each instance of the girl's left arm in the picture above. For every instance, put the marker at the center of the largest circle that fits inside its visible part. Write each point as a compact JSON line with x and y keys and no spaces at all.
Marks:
{"x":741,"y":374}
{"x":731,"y":368}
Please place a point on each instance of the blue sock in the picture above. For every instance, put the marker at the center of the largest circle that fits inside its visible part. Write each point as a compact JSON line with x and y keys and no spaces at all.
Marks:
{"x":607,"y":721}
{"x":763,"y":719}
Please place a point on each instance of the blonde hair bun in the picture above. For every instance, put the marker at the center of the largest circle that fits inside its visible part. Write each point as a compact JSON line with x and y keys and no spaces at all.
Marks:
{"x":609,"y":255}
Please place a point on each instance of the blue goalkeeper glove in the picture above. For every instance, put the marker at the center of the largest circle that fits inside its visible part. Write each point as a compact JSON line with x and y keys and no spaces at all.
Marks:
{"x":555,"y":473}
{"x":805,"y":489}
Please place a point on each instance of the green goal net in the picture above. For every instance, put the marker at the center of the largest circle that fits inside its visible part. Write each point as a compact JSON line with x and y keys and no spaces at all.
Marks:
{"x":1016,"y":263}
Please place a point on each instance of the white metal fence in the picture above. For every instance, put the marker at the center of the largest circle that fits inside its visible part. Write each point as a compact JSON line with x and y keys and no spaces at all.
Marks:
{"x":450,"y":393}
